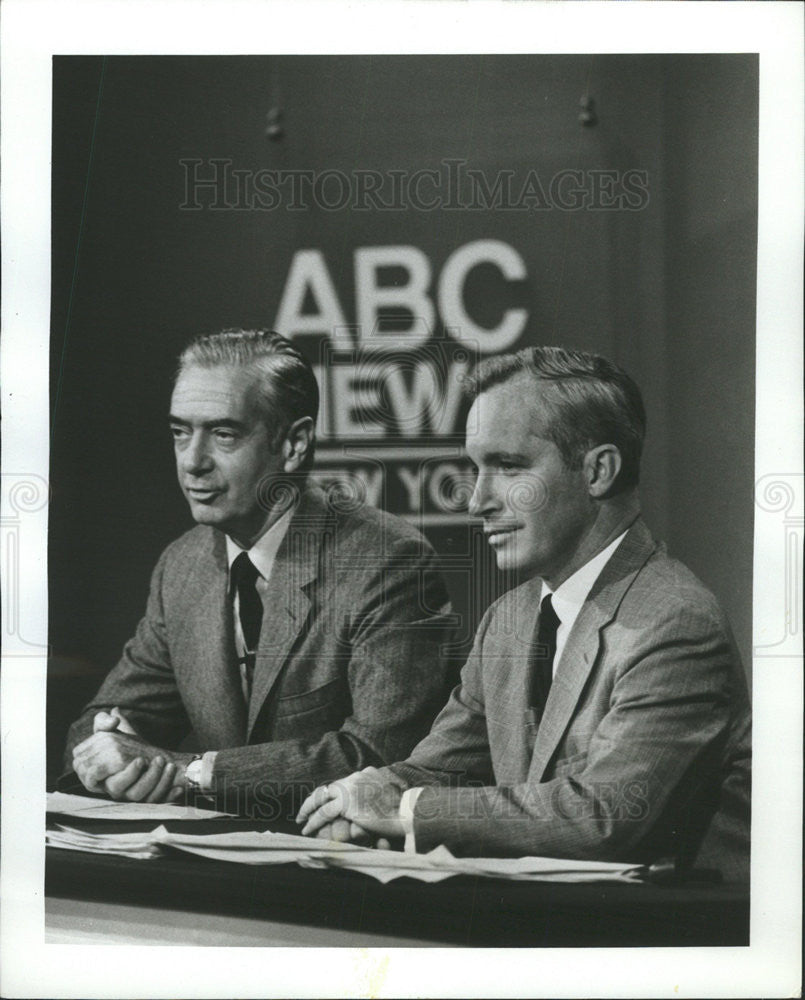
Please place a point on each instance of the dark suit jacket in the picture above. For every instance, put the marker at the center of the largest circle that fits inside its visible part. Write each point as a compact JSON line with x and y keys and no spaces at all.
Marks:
{"x":643,"y":750}
{"x":348,"y":669}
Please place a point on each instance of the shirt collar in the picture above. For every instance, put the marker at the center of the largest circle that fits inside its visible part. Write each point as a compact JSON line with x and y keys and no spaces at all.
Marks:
{"x":569,"y":597}
{"x":264,"y":551}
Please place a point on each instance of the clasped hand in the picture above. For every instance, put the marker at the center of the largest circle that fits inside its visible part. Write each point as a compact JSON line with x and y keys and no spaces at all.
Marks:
{"x":354,"y":808}
{"x":117,"y":762}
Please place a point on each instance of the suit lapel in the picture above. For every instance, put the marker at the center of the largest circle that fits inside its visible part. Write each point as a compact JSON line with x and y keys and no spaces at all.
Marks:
{"x":583,"y":644}
{"x":522,"y":696}
{"x":214,"y":675}
{"x":286,"y":604}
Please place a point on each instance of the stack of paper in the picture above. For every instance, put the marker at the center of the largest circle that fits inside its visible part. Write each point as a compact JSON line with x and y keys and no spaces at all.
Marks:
{"x":129,"y":845}
{"x":440,"y":864}
{"x":83,"y":807}
{"x":251,"y":847}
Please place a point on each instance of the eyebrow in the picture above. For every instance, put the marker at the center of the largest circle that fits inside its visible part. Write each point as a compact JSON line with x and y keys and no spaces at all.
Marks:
{"x":235,"y":425}
{"x":502,"y":456}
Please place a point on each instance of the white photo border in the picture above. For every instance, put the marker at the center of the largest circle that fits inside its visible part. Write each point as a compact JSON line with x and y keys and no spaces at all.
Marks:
{"x":34,"y":31}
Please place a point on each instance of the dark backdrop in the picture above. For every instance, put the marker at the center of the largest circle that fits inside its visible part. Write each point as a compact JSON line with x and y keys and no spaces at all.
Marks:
{"x":667,"y":289}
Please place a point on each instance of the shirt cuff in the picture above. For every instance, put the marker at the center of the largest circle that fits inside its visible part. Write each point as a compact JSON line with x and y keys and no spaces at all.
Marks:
{"x":206,"y":780}
{"x":407,"y":806}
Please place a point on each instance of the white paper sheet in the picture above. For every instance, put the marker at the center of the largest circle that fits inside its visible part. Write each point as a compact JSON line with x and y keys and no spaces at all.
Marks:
{"x":251,"y":847}
{"x":81,"y":806}
{"x":129,"y":845}
{"x":247,"y":847}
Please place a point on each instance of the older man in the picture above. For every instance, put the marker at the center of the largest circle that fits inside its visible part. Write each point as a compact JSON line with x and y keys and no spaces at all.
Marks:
{"x":603,"y":711}
{"x":292,"y":639}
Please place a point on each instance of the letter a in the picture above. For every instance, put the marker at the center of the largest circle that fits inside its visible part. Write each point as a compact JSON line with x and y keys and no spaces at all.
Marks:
{"x":309,"y":273}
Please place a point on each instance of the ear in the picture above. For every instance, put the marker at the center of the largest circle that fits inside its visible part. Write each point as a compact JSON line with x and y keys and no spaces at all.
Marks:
{"x":602,"y":466}
{"x":297,"y":443}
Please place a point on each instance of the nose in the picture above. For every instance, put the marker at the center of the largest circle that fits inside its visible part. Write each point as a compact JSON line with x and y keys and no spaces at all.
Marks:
{"x":194,"y":456}
{"x":482,"y":501}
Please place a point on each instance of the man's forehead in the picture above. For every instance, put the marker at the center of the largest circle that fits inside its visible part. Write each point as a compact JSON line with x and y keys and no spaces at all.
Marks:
{"x":228,"y":386}
{"x":511,"y":409}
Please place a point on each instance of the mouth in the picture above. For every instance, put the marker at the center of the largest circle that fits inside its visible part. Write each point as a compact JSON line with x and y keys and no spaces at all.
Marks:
{"x":202,"y":494}
{"x":498,"y":535}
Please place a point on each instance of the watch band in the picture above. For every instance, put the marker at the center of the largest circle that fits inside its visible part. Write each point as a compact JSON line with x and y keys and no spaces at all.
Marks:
{"x":192,"y":773}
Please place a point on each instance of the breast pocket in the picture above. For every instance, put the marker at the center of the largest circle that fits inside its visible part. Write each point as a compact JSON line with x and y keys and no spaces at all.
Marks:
{"x":311,"y":713}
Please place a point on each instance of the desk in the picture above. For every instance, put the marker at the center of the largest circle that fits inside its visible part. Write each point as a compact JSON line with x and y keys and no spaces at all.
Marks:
{"x":185,"y":899}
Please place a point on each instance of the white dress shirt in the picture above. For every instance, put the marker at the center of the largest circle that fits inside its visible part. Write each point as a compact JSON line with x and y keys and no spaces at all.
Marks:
{"x":262,"y":554}
{"x":568,"y":600}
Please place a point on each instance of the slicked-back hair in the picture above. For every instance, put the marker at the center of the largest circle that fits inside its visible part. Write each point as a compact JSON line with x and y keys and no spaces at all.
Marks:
{"x":589,"y":401}
{"x":286,"y":386}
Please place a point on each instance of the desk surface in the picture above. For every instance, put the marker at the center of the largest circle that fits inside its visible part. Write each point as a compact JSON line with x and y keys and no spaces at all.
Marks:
{"x":196,"y":900}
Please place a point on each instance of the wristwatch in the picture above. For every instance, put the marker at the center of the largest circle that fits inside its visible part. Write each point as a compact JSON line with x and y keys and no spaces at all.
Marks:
{"x":192,"y":773}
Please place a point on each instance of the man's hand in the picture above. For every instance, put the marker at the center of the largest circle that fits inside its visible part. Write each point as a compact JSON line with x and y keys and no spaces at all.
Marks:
{"x":368,"y":802}
{"x":117,"y":762}
{"x":106,"y":722}
{"x":342,"y":831}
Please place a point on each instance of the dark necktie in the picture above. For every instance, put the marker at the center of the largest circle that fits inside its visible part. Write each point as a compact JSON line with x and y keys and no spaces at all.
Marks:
{"x":544,"y":652}
{"x":244,"y":576}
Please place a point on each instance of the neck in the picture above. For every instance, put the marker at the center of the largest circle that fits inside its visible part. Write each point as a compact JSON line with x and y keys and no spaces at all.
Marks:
{"x":612,"y":518}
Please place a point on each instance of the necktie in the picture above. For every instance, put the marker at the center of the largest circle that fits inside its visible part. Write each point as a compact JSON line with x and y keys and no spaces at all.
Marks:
{"x":244,"y":576}
{"x":544,"y":652}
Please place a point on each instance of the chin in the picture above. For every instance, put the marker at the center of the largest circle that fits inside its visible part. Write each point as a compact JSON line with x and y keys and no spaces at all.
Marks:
{"x":509,"y":562}
{"x":205,"y":515}
{"x":517,"y":562}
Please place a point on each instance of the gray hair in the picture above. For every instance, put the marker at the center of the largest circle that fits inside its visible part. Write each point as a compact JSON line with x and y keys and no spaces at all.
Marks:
{"x":593,"y":402}
{"x":286,"y":384}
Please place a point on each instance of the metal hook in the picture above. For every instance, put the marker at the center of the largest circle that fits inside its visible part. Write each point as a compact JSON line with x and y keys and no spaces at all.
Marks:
{"x":274,"y":129}
{"x":588,"y":115}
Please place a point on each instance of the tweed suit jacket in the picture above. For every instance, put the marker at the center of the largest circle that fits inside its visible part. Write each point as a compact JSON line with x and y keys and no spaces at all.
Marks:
{"x":348,"y":668}
{"x":643,"y":749}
